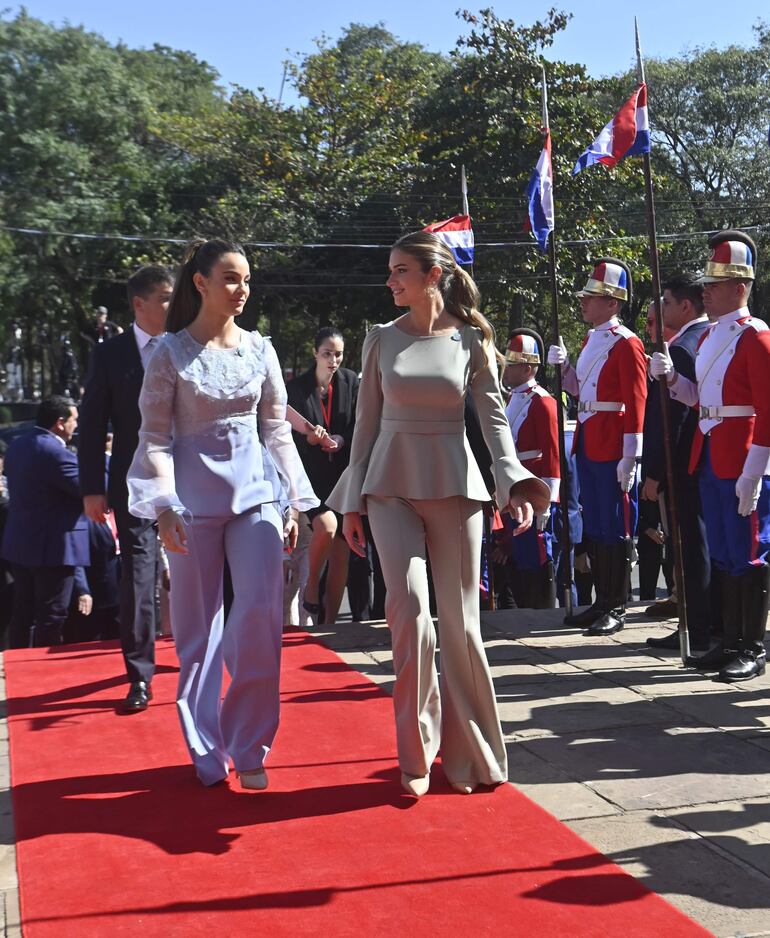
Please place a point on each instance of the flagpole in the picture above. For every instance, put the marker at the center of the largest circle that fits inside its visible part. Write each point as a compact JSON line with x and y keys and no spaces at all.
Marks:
{"x":566,"y":537}
{"x":676,"y":542}
{"x":466,"y":210}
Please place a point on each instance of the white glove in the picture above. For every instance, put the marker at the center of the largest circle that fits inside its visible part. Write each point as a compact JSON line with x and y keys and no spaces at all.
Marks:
{"x":626,"y":473}
{"x":747,"y":490}
{"x":542,"y":520}
{"x":557,"y":354}
{"x":661,"y":365}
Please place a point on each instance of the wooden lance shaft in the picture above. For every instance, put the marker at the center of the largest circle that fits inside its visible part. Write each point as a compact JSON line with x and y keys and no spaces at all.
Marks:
{"x":673,"y":517}
{"x":566,"y":536}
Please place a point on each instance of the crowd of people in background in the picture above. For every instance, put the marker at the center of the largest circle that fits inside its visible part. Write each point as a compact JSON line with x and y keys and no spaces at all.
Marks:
{"x":188,"y":498}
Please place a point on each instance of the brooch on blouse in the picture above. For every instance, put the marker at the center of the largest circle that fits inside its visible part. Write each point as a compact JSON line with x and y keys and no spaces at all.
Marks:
{"x":457,"y":336}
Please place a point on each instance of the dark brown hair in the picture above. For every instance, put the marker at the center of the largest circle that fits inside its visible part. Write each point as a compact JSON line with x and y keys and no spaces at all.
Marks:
{"x":143,"y":281}
{"x":685,"y":287}
{"x":199,"y":258}
{"x":459,"y":292}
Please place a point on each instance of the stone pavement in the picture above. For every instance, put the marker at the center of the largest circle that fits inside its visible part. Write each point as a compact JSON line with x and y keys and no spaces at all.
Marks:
{"x":664,"y":771}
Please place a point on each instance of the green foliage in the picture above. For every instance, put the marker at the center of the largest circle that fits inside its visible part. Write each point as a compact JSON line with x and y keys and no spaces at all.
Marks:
{"x":104,"y":139}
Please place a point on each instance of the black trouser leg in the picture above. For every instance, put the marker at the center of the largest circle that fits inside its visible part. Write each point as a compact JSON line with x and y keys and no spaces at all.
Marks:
{"x":615,"y":574}
{"x":595,"y":611}
{"x":23,"y":611}
{"x":139,"y":563}
{"x":53,"y":593}
{"x":650,"y":558}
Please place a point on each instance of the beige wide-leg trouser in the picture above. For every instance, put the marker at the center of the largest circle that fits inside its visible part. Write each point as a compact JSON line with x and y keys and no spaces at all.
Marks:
{"x":457,"y":713}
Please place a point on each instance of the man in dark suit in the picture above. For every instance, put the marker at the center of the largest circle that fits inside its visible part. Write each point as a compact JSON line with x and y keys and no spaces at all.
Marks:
{"x":46,"y":535}
{"x":112,"y":397}
{"x":683,"y":313}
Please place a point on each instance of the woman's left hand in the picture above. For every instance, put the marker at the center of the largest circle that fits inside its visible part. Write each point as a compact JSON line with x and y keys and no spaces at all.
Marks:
{"x":521,"y":512}
{"x":290,"y":533}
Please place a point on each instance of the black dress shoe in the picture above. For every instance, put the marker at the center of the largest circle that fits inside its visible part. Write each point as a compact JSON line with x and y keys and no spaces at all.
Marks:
{"x":750,"y":663}
{"x":138,"y":697}
{"x":611,"y":622}
{"x":713,"y":660}
{"x":671,"y":642}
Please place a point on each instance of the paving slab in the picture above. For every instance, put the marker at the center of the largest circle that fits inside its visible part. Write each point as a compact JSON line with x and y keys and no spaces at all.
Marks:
{"x":651,"y":767}
{"x":573,"y":704}
{"x":744,"y":711}
{"x":741,"y":829}
{"x":685,"y":869}
{"x":553,"y":789}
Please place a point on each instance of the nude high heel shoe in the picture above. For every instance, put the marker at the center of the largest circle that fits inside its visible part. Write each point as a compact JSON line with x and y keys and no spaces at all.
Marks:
{"x":416,"y":785}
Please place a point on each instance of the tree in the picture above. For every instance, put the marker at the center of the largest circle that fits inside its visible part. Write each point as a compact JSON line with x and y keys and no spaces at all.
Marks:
{"x":77,"y":154}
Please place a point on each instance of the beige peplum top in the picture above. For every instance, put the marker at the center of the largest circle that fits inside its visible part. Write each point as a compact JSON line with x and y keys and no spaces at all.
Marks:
{"x":409,"y":440}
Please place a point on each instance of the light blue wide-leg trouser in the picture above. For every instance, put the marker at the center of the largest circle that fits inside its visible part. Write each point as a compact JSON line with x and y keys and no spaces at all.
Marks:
{"x":244,"y":724}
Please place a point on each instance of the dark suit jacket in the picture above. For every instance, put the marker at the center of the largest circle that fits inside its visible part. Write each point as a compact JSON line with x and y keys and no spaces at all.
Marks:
{"x":683,"y":419}
{"x":45,"y":526}
{"x":303,"y":397}
{"x":111,"y":396}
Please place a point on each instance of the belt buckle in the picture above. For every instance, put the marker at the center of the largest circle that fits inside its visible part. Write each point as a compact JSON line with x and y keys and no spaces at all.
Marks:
{"x":704,"y":412}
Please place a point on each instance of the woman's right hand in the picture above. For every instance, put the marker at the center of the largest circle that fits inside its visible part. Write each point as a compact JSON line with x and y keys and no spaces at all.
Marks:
{"x":317,"y":436}
{"x":353,"y":529}
{"x":172,"y":532}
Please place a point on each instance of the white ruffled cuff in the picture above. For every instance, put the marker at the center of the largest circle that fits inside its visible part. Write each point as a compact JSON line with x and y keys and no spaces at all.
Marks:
{"x":276,"y":435}
{"x":346,"y":495}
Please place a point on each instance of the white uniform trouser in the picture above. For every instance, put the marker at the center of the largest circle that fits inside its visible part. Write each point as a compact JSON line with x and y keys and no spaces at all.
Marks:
{"x":457,"y":713}
{"x":244,"y":724}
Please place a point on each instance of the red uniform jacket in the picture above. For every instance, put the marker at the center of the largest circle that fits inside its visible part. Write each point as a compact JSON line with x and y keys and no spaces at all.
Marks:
{"x":539,"y":432}
{"x":621,"y":377}
{"x":745,"y":380}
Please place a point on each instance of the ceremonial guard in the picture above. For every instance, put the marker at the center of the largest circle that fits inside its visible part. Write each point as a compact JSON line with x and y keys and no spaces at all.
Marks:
{"x":531,"y":414}
{"x":610,"y":383}
{"x":730,"y":451}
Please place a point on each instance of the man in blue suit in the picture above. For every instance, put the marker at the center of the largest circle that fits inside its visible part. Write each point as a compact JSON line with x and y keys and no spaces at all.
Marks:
{"x":46,"y":535}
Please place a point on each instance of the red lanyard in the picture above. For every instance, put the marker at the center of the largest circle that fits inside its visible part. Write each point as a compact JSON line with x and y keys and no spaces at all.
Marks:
{"x":327,"y":410}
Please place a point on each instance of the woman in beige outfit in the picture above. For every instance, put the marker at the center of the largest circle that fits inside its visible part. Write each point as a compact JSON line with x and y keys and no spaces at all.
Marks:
{"x":412,"y":472}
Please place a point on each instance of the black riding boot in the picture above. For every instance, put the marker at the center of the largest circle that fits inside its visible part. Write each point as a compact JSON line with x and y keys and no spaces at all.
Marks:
{"x":596,"y":610}
{"x":732,"y":615}
{"x":755,"y":599}
{"x":617,"y":561}
{"x":544,"y":587}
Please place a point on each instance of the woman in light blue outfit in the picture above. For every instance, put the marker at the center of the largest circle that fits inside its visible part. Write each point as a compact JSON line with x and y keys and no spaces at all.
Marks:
{"x":217,"y":466}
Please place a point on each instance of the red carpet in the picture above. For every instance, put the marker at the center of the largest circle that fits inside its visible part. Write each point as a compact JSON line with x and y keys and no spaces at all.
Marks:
{"x":117,"y":838}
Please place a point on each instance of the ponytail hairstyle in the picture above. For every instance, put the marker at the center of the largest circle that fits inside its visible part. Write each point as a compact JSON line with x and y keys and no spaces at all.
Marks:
{"x":459,"y":292}
{"x":199,"y":258}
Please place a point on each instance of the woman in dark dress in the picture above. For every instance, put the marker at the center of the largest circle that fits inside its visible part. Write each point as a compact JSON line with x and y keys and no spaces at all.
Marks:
{"x":325,"y":395}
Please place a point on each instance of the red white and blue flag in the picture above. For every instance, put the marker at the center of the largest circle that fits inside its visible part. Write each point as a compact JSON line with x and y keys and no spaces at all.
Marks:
{"x":540,"y":197}
{"x":457,"y":234}
{"x":627,"y":134}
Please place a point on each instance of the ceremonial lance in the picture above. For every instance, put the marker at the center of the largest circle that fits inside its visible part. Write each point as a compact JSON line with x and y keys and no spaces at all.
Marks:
{"x":673,"y":517}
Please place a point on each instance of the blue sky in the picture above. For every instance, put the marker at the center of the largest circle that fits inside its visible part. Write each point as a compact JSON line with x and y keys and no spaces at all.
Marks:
{"x":247,"y":42}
